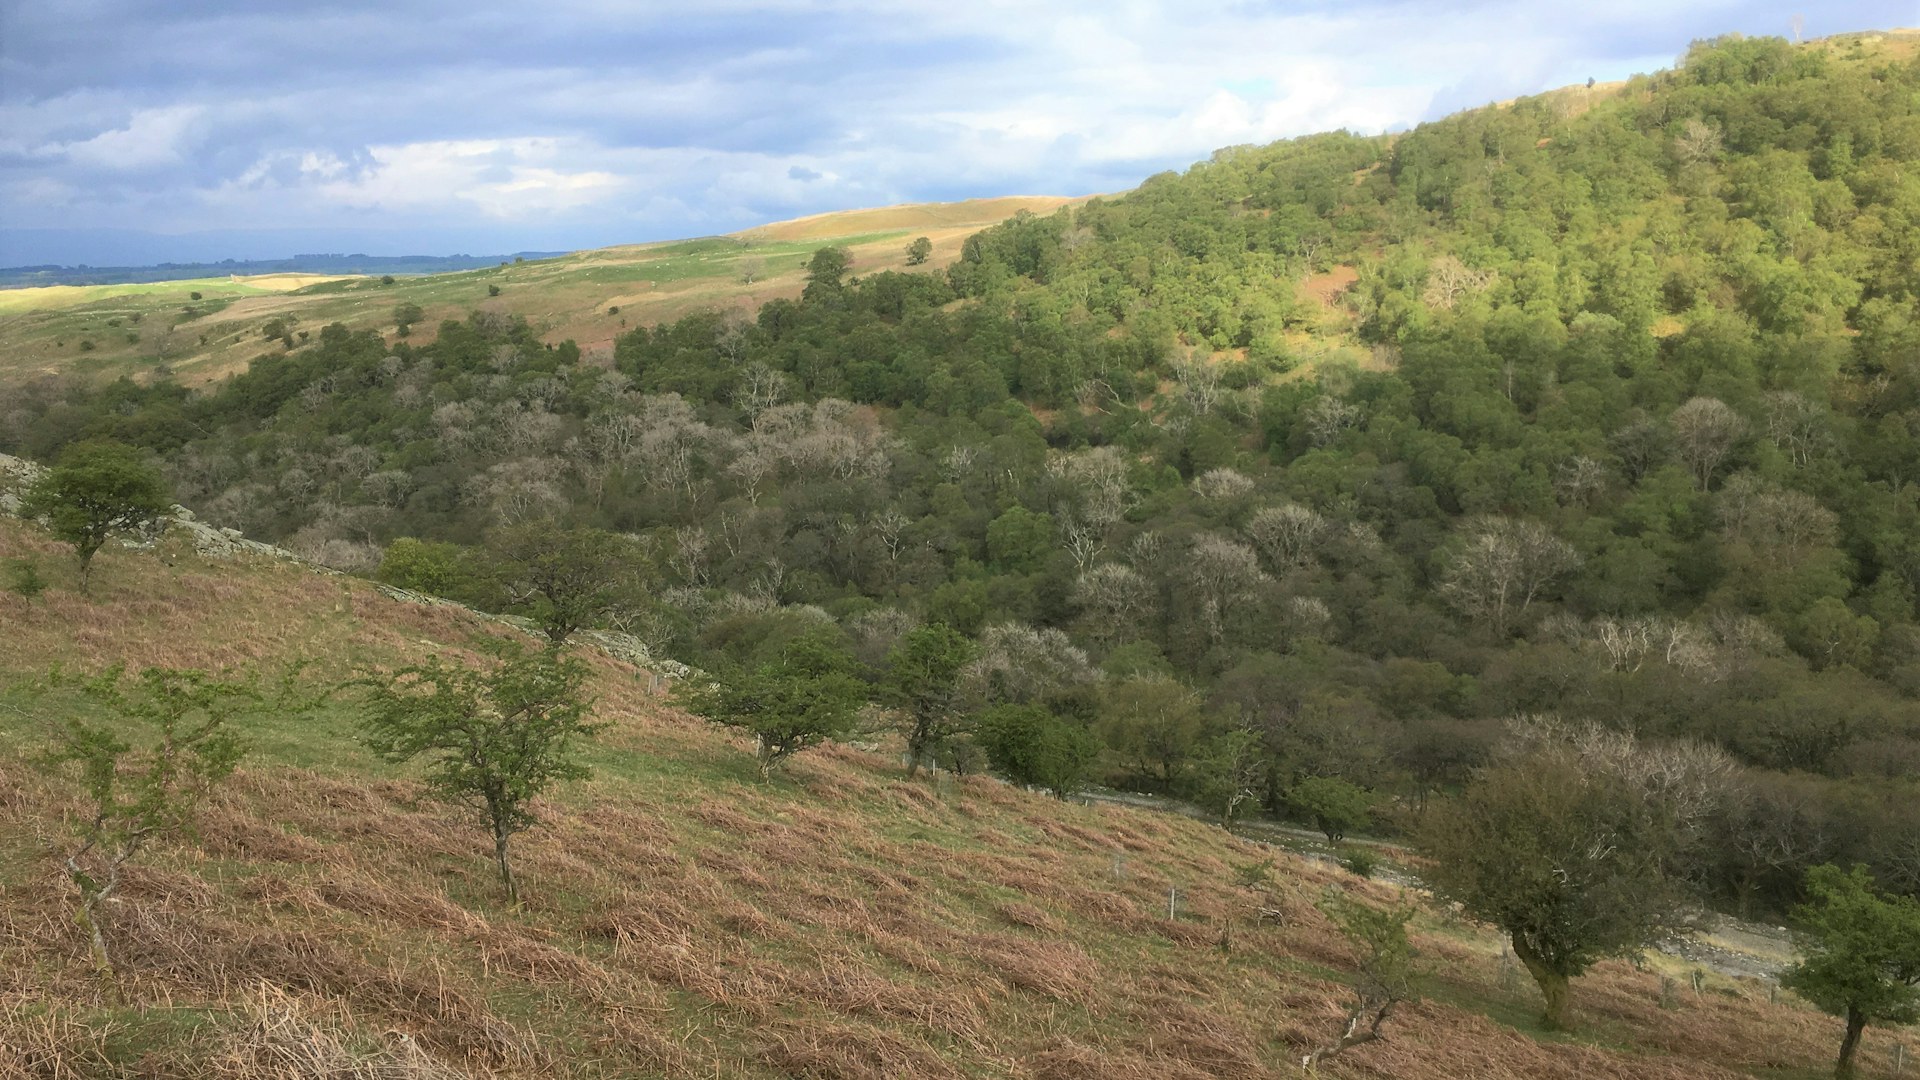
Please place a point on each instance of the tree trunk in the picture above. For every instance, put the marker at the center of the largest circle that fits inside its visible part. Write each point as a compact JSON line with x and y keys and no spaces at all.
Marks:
{"x":1856,"y":1023}
{"x":1553,"y":986}
{"x":765,"y":756}
{"x":500,"y":836}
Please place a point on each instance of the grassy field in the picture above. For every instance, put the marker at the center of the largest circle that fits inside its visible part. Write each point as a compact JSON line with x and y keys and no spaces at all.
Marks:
{"x":590,"y":296}
{"x":685,"y":920}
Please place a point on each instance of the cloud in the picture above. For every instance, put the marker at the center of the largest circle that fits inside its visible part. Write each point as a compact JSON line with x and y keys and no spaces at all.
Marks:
{"x":616,"y":122}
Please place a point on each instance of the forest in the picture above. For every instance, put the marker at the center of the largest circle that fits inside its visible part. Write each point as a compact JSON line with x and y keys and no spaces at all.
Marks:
{"x":1318,"y":462}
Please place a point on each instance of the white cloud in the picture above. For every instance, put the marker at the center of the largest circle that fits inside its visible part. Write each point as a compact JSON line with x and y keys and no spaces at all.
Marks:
{"x":647,"y":123}
{"x":153,"y":137}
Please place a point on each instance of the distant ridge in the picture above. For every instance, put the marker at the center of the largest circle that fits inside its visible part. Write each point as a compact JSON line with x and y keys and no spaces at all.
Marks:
{"x":22,"y":277}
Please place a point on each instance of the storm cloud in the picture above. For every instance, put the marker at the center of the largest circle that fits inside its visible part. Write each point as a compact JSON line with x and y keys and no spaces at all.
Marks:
{"x":424,"y":126}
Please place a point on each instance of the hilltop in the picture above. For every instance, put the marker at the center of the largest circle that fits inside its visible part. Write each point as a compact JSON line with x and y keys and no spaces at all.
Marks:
{"x":683,"y":919}
{"x":197,"y":330}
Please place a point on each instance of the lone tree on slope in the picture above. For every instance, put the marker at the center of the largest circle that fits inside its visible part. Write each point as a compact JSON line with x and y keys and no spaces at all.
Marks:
{"x":1862,"y":955}
{"x":495,"y":739}
{"x":97,"y":489}
{"x":1574,"y":862}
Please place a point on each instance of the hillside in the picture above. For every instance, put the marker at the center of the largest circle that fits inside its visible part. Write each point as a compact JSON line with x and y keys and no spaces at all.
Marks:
{"x":1328,"y":472}
{"x":683,"y":919}
{"x":141,"y":329}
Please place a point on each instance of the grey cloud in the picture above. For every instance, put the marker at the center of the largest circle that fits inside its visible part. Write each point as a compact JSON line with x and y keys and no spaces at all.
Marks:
{"x":613,"y":121}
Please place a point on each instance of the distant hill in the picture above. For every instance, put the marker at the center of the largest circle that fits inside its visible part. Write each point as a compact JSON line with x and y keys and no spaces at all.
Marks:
{"x":25,"y":277}
{"x":206,"y":322}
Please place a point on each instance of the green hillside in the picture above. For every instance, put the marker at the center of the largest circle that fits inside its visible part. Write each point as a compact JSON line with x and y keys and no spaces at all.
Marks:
{"x":682,"y":918}
{"x":1617,"y":419}
{"x":1306,"y":481}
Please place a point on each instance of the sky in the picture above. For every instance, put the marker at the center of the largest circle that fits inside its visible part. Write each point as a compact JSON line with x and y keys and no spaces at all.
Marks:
{"x":134,"y":132}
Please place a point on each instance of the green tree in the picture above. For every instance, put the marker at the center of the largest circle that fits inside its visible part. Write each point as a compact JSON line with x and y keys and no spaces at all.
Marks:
{"x":428,"y":566}
{"x":566,"y":578}
{"x":1030,"y":745}
{"x":98,"y":488}
{"x":919,"y":251}
{"x":495,"y":737}
{"x":1573,"y":862}
{"x":826,"y":271}
{"x":166,"y":743}
{"x":1335,"y":806}
{"x":923,"y":682}
{"x":1862,"y":955}
{"x":1385,"y":975}
{"x":805,"y":696}
{"x":1154,"y":724}
{"x":404,"y":316}
{"x":1229,"y":773}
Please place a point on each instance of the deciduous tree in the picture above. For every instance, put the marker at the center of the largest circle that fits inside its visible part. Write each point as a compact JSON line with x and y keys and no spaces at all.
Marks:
{"x":97,"y":489}
{"x":1862,"y":955}
{"x":495,"y":737}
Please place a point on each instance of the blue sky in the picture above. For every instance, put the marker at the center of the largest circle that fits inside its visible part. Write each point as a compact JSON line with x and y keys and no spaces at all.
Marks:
{"x":134,"y":131}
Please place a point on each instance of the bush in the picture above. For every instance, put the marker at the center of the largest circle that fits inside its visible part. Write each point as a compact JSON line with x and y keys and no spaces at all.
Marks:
{"x":1359,"y":860}
{"x":23,"y":578}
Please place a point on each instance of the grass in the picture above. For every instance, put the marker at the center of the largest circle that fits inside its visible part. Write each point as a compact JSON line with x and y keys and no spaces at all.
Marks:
{"x":149,"y":329}
{"x":683,"y":919}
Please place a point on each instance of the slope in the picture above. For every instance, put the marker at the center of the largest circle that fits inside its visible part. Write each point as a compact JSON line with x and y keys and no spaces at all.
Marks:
{"x":685,"y":920}
{"x":200,"y":330}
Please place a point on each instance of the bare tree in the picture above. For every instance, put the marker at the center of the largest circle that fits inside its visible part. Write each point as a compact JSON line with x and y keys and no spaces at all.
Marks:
{"x":1020,"y":663}
{"x":1286,"y":535}
{"x":1579,"y":479}
{"x":1223,"y":575}
{"x":1326,"y":417}
{"x":1797,"y":426}
{"x":1112,"y":597}
{"x":1704,"y":433}
{"x":1449,"y":279}
{"x":1502,"y":568}
{"x":1199,"y":381}
{"x":1697,"y":143}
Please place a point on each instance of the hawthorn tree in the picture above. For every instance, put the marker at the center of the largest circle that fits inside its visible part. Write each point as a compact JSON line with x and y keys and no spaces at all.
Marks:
{"x":1575,"y":863}
{"x":805,"y":696}
{"x":567,"y":578}
{"x":166,"y":743}
{"x":1862,"y":955}
{"x":495,"y":738}
{"x":1029,"y":745}
{"x":1385,"y":975}
{"x":923,"y":682}
{"x":1230,"y":772}
{"x":919,"y":250}
{"x":97,"y":489}
{"x":1335,"y":806}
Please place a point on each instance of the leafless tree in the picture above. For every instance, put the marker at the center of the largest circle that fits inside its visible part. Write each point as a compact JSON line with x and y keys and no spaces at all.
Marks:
{"x":1502,"y":568}
{"x":1579,"y":479}
{"x":1326,"y":417}
{"x":1698,"y":142}
{"x":1771,"y":518}
{"x":1019,"y":663}
{"x":1286,"y":535}
{"x":1798,"y":427}
{"x":1449,"y":279}
{"x":1112,"y":597}
{"x":1224,"y":575}
{"x":1220,"y":485}
{"x":1199,"y":380}
{"x":1705,"y":431}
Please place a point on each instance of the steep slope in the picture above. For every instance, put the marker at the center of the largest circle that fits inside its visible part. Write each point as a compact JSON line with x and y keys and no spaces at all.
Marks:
{"x":1605,"y":408}
{"x":683,"y":919}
